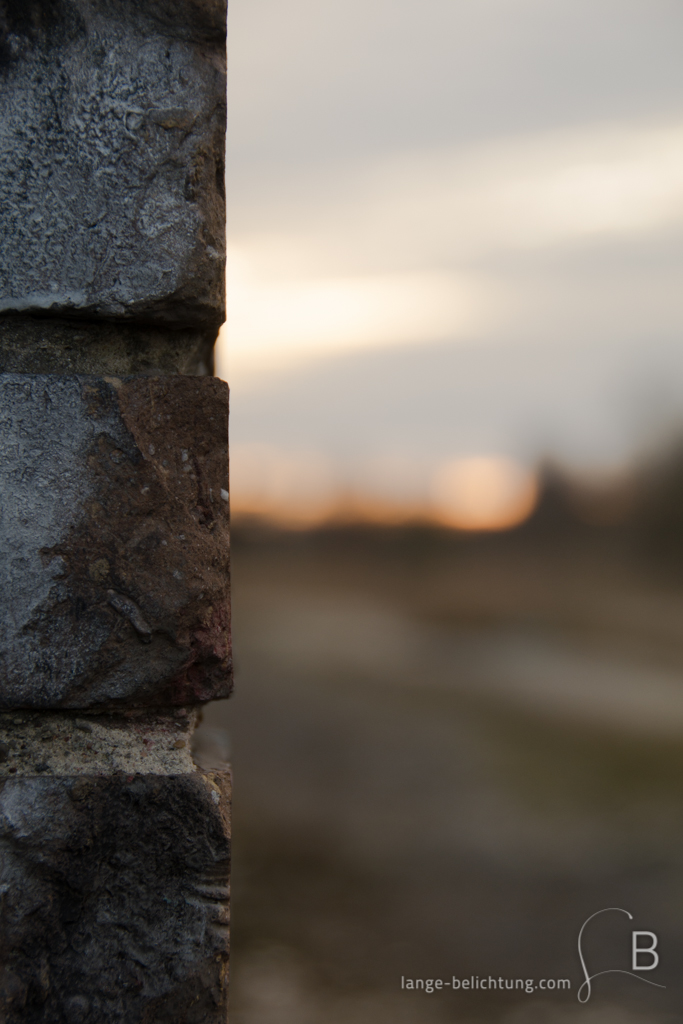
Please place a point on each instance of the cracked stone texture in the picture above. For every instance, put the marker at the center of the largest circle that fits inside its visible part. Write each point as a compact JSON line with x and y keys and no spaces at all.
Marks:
{"x":46,"y":345}
{"x":114,"y":541}
{"x":114,"y":899}
{"x":112,"y":134}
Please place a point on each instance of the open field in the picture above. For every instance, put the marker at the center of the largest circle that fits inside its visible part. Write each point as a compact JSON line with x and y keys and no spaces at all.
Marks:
{"x":447,"y":755}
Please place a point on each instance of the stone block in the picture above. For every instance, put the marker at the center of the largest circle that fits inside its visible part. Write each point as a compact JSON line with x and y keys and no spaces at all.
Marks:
{"x":69,"y":743}
{"x":112,"y":152}
{"x":52,"y":345}
{"x":114,"y":899}
{"x":114,"y":541}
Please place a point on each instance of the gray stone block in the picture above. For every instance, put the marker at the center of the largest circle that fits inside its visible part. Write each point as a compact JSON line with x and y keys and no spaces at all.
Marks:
{"x":114,"y":541}
{"x":112,"y":154}
{"x":114,"y":899}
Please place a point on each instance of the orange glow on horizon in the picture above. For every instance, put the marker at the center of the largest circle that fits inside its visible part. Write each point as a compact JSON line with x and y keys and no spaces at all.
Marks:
{"x":484,"y":493}
{"x":345,"y":511}
{"x":300,"y":490}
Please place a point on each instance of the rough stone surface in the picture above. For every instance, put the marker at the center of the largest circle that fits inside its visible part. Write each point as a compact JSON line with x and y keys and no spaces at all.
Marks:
{"x":114,"y":899}
{"x":59,"y":743}
{"x":46,"y":345}
{"x":112,"y":125}
{"x":114,"y":541}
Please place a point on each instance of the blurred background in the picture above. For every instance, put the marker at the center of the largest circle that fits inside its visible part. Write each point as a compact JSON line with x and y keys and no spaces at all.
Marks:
{"x":454,"y":347}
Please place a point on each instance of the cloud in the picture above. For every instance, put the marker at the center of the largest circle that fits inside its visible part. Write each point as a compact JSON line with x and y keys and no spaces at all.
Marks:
{"x":281,"y":320}
{"x":588,"y":402}
{"x":455,"y":231}
{"x":458,"y":244}
{"x":453,"y":205}
{"x":313,"y":80}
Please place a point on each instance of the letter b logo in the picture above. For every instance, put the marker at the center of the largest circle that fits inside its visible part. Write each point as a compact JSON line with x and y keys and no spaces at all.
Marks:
{"x":641,"y":949}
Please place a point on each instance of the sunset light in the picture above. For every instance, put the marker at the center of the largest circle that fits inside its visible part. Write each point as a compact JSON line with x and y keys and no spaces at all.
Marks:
{"x":474,"y":278}
{"x":412,"y":254}
{"x":304,"y":488}
{"x":484,"y":493}
{"x":292,"y":488}
{"x":274,"y":319}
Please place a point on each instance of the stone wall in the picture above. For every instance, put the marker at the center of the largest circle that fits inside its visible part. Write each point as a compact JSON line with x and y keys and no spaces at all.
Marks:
{"x":114,"y":511}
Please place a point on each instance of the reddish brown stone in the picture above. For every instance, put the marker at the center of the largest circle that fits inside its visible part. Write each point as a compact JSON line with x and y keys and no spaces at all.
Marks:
{"x":115,"y":541}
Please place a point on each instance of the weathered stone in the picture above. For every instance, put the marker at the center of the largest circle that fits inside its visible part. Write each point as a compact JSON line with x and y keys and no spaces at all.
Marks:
{"x":114,"y":513}
{"x":61,"y":743}
{"x":112,"y":153}
{"x":45,"y":345}
{"x":114,"y":899}
{"x":114,"y":541}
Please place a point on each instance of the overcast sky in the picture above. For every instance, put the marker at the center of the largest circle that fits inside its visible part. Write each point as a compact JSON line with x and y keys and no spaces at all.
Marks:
{"x":454,"y":229}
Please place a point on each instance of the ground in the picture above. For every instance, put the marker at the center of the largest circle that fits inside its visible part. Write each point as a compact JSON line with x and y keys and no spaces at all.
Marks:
{"x":447,"y":755}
